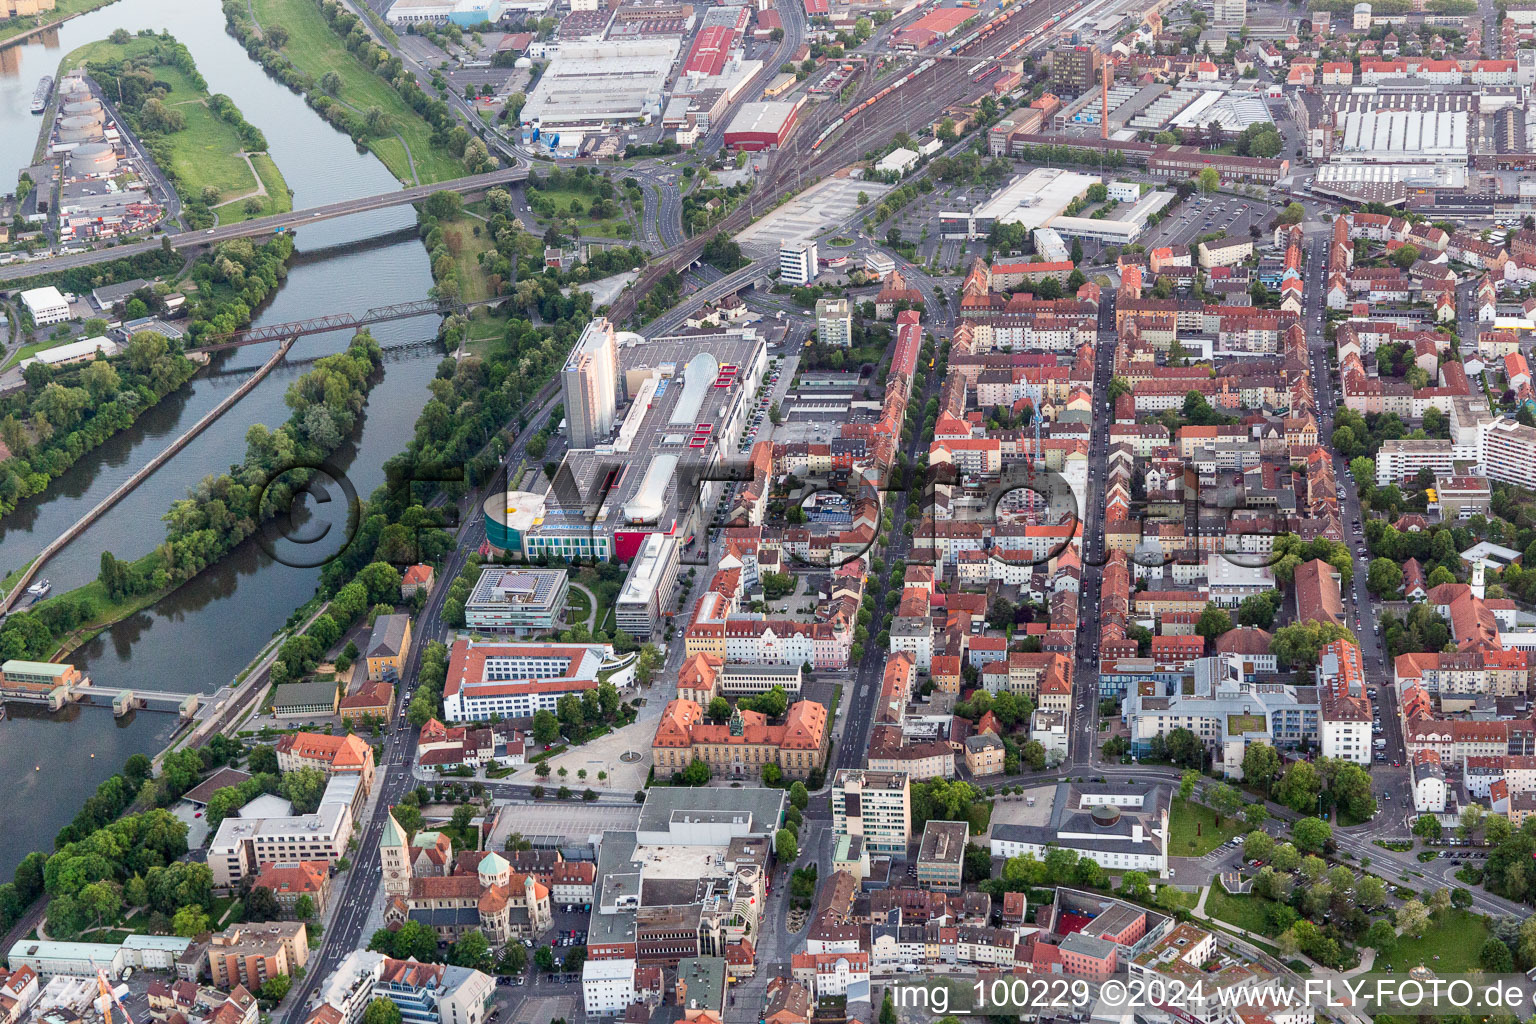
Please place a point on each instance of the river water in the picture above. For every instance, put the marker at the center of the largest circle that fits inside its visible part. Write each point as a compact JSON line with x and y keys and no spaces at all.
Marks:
{"x":199,"y":637}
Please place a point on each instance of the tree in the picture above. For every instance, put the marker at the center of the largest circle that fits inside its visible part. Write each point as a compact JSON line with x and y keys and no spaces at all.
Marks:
{"x":1384,"y":578}
{"x":303,"y":788}
{"x":1135,"y":884}
{"x":275,"y":988}
{"x":1311,"y":834}
{"x":1286,"y":858}
{"x":1187,"y":783}
{"x":190,"y":922}
{"x":1495,"y":957}
{"x":772,"y":774}
{"x":261,"y":905}
{"x":1261,"y":765}
{"x":1255,"y":815}
{"x":544,"y":958}
{"x":1224,"y":799}
{"x":785,"y":846}
{"x":473,"y":951}
{"x":696,"y":774}
{"x":1208,"y":179}
{"x":330,"y":82}
{"x":382,"y":1011}
{"x":1412,"y":918}
{"x":304,"y":907}
{"x":1382,"y":937}
{"x":1214,"y":621}
{"x":799,"y":797}
{"x":1427,"y":826}
{"x":1370,"y":892}
{"x":514,"y":959}
{"x":415,"y":939}
{"x":1033,"y":753}
{"x":546,"y":727}
{"x":1258,"y":846}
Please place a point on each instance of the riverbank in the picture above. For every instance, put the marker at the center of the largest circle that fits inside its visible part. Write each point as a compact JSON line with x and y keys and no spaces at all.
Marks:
{"x":20,"y":32}
{"x":202,"y":143}
{"x":311,"y":58}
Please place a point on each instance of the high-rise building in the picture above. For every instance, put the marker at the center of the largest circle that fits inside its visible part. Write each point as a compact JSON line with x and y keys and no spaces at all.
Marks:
{"x":590,"y":379}
{"x":1230,"y":13}
{"x":874,"y":805}
{"x":797,"y":263}
{"x":1073,"y":69}
{"x":1509,"y":452}
{"x":834,"y":322}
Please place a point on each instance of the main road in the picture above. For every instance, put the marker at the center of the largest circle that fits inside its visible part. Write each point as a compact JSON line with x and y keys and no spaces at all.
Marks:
{"x":362,"y":885}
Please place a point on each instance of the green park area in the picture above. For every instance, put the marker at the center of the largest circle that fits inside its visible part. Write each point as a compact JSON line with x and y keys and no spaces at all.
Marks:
{"x":205,"y":154}
{"x":314,"y":49}
{"x":1193,"y":831}
{"x":575,"y":209}
{"x":1249,"y":912}
{"x":1450,"y":945}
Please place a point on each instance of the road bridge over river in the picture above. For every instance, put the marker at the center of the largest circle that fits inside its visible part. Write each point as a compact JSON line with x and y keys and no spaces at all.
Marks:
{"x":273,"y":224}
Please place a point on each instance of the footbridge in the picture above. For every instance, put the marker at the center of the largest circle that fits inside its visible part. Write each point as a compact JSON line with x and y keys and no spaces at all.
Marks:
{"x":329,"y":322}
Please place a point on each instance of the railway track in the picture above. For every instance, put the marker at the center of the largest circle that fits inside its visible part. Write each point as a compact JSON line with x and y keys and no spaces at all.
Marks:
{"x":916,"y":98}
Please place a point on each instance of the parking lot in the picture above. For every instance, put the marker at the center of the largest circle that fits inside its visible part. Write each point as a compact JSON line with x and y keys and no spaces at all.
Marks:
{"x":775,"y":383}
{"x":1204,"y":215}
{"x":565,"y":824}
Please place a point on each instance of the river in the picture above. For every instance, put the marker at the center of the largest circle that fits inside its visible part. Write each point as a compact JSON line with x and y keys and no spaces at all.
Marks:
{"x":199,"y":637}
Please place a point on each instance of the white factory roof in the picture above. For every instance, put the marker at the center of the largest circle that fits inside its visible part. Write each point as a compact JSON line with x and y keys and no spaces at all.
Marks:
{"x":1426,"y":133}
{"x":899,"y":160}
{"x":1441,"y":175}
{"x":1037,"y":197}
{"x":42,"y":298}
{"x":593,"y":82}
{"x":762,"y":117}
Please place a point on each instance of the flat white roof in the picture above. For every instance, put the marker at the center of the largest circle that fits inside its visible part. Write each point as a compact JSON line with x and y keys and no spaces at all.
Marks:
{"x":587,"y":83}
{"x":73,"y":350}
{"x":39,"y":297}
{"x":44,"y":949}
{"x":1037,"y":197}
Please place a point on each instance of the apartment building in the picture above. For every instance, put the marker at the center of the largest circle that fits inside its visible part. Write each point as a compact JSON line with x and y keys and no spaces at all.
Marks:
{"x":249,"y":954}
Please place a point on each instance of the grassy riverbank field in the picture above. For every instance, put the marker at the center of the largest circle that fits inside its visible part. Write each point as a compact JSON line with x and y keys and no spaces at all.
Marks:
{"x":202,"y":143}
{"x":314,"y":49}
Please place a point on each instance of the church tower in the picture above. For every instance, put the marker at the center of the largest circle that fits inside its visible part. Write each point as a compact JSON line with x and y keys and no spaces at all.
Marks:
{"x":1479,"y":590}
{"x":394,"y":859}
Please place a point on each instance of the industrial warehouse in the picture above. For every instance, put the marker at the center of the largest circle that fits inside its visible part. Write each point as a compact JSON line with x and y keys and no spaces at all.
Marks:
{"x":1039,"y":200}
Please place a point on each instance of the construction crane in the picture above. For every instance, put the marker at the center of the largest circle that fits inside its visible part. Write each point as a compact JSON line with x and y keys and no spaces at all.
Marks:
{"x":108,"y":997}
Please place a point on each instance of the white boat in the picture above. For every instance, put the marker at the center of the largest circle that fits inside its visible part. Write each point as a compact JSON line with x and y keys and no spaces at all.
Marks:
{"x":39,"y":588}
